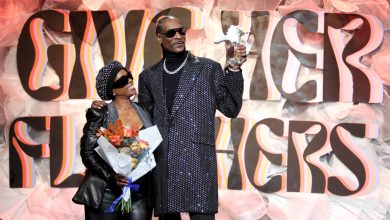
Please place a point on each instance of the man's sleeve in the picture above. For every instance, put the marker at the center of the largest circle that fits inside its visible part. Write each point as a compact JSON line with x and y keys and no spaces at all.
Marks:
{"x":145,"y":97}
{"x":229,"y":87}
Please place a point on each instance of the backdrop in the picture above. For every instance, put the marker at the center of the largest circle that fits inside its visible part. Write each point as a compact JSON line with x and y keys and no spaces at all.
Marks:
{"x":311,"y":141}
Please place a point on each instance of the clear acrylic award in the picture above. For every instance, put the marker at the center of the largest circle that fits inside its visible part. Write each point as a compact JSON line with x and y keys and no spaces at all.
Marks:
{"x":234,"y":37}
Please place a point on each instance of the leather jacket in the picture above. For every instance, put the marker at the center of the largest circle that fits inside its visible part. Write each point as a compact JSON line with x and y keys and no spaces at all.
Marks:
{"x":99,"y":175}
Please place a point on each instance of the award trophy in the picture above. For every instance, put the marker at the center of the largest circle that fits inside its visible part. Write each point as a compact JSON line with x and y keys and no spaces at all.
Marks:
{"x":233,"y":38}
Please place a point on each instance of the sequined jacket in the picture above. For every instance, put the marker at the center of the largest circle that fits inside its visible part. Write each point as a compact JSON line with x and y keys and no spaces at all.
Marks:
{"x":185,"y":178}
{"x":99,"y":175}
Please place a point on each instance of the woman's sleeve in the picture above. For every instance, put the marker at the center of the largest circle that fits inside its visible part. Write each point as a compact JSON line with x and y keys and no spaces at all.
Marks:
{"x":90,"y":158}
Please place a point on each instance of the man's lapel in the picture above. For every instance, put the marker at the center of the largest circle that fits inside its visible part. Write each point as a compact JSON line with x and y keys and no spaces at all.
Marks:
{"x":187,"y":81}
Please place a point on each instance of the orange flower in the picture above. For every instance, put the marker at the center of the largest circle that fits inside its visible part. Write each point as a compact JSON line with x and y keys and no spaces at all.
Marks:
{"x":116,"y":140}
{"x":125,"y":139}
{"x":118,"y":127}
{"x":128,"y":132}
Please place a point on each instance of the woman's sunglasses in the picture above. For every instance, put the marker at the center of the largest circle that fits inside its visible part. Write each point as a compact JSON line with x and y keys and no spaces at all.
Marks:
{"x":172,"y":32}
{"x":123,"y":80}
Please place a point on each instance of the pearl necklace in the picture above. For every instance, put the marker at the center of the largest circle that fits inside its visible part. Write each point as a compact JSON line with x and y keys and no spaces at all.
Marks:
{"x":178,"y":69}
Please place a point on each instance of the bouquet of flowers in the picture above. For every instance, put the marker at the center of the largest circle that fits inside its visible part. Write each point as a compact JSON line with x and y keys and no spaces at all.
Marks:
{"x":129,"y":152}
{"x":126,"y":141}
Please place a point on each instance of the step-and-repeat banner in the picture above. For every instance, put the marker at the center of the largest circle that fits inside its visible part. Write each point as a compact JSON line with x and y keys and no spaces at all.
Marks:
{"x":311,"y":141}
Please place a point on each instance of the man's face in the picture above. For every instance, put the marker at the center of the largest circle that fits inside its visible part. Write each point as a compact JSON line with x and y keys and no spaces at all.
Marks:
{"x":175,"y":43}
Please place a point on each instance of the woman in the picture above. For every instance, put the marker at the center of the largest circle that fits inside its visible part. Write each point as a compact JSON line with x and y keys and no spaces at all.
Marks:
{"x":102,"y":185}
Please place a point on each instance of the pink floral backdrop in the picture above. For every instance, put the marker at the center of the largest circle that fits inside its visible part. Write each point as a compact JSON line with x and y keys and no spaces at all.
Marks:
{"x":45,"y":202}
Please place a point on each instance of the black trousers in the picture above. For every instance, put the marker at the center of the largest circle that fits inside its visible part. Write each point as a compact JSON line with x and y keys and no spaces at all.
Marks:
{"x":141,"y":208}
{"x":193,"y":216}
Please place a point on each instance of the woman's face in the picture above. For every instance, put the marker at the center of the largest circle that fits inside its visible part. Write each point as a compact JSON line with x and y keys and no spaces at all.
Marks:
{"x":129,"y":89}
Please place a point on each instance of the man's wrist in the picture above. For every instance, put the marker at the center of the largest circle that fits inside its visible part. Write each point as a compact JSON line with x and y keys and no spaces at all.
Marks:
{"x":234,"y":68}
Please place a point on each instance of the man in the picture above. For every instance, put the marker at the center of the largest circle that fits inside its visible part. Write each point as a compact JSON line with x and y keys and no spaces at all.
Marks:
{"x":183,"y":92}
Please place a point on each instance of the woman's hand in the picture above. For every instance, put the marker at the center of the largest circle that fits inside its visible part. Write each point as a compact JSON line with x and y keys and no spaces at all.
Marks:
{"x":121,"y":180}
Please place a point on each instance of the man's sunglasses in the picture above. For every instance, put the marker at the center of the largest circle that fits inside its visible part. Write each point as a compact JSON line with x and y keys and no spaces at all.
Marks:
{"x":172,"y":32}
{"x":123,"y":80}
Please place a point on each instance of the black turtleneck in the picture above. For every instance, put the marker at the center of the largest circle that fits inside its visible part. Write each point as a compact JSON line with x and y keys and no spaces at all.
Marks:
{"x":171,"y":81}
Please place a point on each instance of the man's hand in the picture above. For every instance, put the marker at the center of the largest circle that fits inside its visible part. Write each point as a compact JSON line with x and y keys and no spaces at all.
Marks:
{"x":240,"y":53}
{"x":98,"y":104}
